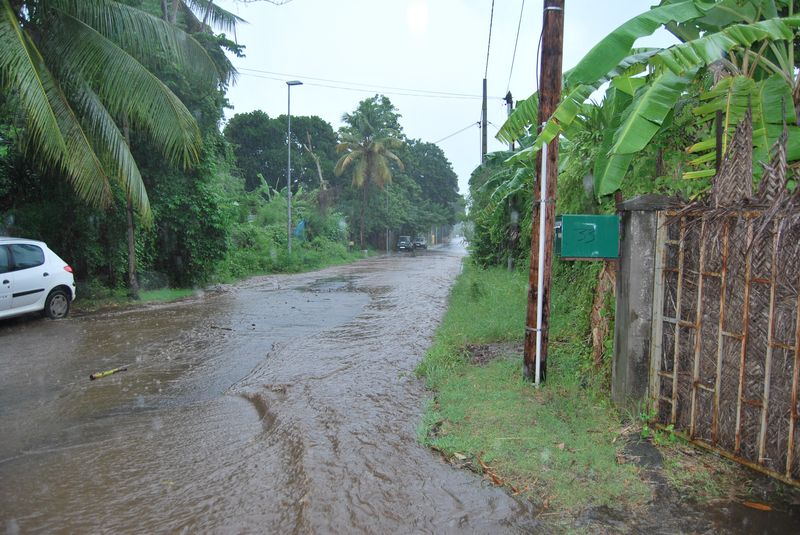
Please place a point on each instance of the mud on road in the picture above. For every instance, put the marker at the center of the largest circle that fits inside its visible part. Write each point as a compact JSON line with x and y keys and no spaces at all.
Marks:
{"x":283,"y":404}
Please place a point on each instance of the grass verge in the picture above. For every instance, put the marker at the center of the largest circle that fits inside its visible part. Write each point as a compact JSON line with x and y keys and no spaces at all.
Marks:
{"x":557,"y":445}
{"x":92,"y":297}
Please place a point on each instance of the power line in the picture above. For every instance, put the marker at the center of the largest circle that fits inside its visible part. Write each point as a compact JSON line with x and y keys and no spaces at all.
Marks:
{"x":489,"y":44}
{"x":470,"y":125}
{"x":516,"y":41}
{"x":347,"y":85}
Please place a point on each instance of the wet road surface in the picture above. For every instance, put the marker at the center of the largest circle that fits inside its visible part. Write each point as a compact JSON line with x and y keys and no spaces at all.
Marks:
{"x":283,"y":404}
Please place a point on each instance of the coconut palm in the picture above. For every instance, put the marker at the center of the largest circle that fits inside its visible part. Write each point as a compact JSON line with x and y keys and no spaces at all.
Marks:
{"x":370,"y":160}
{"x":79,"y":70}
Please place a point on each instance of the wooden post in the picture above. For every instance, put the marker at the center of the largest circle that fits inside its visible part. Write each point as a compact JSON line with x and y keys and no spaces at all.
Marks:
{"x":549,"y":96}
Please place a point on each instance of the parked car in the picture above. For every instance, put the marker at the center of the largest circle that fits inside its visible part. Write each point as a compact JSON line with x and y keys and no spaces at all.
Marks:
{"x":33,"y":279}
{"x":404,"y":244}
{"x":420,"y":242}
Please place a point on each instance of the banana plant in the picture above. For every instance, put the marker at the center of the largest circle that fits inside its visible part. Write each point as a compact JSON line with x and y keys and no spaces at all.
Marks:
{"x":745,"y":44}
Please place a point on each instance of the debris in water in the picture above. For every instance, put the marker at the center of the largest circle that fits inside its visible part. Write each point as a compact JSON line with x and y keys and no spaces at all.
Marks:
{"x":99,"y":375}
{"x":756,"y":505}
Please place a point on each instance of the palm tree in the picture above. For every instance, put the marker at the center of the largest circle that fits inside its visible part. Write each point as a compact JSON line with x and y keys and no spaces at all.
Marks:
{"x":78,"y":70}
{"x":81,"y":72}
{"x":370,"y":160}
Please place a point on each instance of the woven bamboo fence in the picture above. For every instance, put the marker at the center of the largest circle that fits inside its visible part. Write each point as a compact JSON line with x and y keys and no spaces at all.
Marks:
{"x":726,"y":326}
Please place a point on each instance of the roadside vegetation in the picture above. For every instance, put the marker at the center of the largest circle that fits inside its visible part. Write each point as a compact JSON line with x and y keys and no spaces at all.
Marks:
{"x":558,"y":445}
{"x":564,"y":446}
{"x":151,"y":189}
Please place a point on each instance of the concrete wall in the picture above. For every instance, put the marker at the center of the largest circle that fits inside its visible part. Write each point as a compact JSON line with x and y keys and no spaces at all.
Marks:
{"x":630,"y":370}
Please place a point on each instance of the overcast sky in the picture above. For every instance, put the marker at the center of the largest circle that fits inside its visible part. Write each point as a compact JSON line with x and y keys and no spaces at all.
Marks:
{"x":427,"y":56}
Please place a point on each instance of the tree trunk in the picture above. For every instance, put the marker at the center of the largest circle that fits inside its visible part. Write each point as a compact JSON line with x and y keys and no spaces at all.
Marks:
{"x":133,"y":281}
{"x":363,"y":213}
{"x":165,"y":10}
{"x":173,"y":18}
{"x":606,"y":285}
{"x":659,"y":162}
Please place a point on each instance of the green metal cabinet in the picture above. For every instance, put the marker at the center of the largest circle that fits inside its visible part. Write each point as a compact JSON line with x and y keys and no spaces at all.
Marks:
{"x":587,"y":237}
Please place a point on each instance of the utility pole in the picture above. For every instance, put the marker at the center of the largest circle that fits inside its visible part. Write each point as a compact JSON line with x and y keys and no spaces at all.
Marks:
{"x":513,"y":234}
{"x":544,"y":205}
{"x":509,"y":108}
{"x":483,"y":125}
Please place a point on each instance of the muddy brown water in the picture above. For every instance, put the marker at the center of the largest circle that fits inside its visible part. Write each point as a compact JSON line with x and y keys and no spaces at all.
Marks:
{"x":284,"y":404}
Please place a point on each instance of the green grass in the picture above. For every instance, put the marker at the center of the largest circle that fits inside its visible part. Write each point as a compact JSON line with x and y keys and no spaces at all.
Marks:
{"x":560,"y":441}
{"x":485,"y":306}
{"x":166,"y":294}
{"x":95,"y":297}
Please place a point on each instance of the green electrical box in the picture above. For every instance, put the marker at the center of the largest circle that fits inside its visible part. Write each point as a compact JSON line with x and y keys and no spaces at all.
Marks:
{"x":587,"y":237}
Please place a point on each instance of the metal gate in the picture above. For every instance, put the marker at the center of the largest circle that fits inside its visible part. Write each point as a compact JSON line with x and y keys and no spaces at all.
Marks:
{"x":725,"y":351}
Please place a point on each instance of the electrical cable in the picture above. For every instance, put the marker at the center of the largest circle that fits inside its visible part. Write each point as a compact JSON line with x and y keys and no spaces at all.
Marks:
{"x":470,"y":125}
{"x":425,"y":92}
{"x":539,"y":56}
{"x":516,"y":41}
{"x":489,"y":44}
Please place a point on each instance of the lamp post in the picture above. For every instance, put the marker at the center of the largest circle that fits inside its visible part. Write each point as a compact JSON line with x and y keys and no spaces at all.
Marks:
{"x":289,"y":85}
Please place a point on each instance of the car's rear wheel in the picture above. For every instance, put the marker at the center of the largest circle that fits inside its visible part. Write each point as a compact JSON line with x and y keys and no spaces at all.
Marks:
{"x":56,"y":306}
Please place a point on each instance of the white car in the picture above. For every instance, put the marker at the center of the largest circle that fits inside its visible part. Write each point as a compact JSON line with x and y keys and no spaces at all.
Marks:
{"x":33,"y":279}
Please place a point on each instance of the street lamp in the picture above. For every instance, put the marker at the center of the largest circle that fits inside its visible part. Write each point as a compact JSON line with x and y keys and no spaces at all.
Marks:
{"x":289,"y":85}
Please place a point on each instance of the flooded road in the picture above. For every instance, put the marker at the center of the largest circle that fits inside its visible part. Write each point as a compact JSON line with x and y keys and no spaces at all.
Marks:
{"x":283,"y":404}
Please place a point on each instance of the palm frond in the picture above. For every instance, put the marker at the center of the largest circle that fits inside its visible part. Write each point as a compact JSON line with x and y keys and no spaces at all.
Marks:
{"x":395,"y":158}
{"x":18,"y":72}
{"x":55,"y":132}
{"x":141,"y":34}
{"x":127,"y":88}
{"x":214,"y":15}
{"x":360,"y":173}
{"x":733,"y":96}
{"x":112,"y":147}
{"x":344,"y":162}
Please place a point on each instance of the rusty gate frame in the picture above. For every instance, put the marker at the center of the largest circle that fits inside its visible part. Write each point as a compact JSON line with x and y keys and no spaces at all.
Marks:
{"x":656,"y":349}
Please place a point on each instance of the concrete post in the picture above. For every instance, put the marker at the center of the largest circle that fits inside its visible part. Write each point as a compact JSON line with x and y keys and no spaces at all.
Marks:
{"x":630,"y":370}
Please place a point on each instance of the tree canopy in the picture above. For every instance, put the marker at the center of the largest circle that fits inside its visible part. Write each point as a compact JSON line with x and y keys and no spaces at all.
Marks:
{"x":80,"y":70}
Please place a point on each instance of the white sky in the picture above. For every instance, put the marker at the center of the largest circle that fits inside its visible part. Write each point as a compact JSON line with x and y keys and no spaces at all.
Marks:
{"x":347,"y":50}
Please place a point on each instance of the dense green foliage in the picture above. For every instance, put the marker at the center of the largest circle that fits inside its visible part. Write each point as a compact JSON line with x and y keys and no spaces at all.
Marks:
{"x":82,"y":73}
{"x":732,"y":54}
{"x":206,"y":206}
{"x":654,"y":130}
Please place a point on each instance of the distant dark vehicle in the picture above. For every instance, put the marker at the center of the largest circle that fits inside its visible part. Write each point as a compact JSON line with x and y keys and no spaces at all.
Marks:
{"x":420,"y":243}
{"x":404,"y":244}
